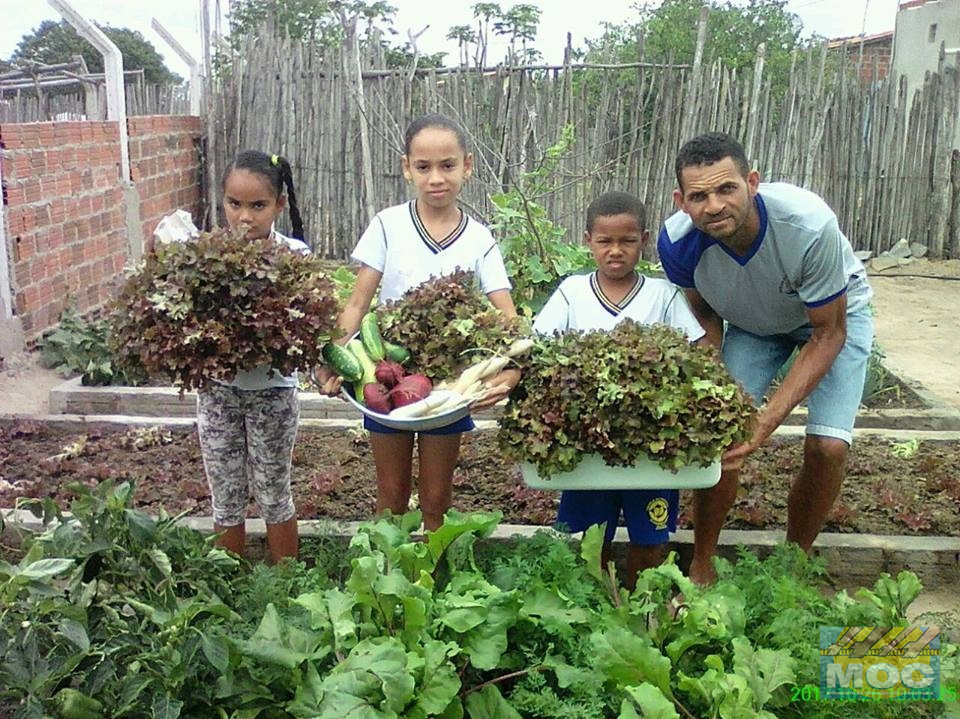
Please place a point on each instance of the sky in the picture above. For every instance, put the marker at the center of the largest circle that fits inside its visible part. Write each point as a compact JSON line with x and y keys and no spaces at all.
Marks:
{"x":181,"y":18}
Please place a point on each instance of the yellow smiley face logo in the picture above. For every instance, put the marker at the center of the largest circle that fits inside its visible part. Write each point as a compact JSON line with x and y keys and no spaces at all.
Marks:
{"x":659,"y":511}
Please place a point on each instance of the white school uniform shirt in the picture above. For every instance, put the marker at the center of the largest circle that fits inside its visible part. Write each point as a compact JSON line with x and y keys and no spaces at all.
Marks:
{"x":397,"y":245}
{"x":580,"y":304}
{"x":263,"y":377}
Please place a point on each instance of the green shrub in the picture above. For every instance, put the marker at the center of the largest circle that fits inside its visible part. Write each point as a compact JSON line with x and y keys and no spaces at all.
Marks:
{"x":82,"y":346}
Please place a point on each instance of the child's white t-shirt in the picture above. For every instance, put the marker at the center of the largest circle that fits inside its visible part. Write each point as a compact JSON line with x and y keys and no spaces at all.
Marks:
{"x":580,"y":304}
{"x":397,"y":245}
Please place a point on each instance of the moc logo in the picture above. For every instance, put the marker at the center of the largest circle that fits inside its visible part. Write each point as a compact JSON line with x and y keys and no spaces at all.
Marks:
{"x":872,"y":663}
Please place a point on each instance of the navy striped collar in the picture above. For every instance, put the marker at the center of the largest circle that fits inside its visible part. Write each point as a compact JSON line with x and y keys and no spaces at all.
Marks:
{"x":436,"y":246}
{"x":615,"y":308}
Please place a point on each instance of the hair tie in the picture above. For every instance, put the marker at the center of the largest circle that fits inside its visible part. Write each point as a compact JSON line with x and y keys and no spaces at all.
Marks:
{"x":274,"y":160}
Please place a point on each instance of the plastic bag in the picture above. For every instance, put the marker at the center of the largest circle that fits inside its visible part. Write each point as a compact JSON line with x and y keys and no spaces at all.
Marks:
{"x":176,"y":227}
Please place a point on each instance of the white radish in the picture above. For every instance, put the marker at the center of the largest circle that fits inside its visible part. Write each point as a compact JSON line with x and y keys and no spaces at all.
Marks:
{"x":494,"y":366}
{"x":452,"y":402}
{"x":470,"y":375}
{"x":519,"y":347}
{"x":421,"y":407}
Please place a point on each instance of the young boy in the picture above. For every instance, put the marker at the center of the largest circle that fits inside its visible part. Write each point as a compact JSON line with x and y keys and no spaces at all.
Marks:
{"x":616,"y":235}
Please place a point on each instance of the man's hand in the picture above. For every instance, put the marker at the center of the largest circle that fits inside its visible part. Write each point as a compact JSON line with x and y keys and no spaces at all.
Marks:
{"x":327,"y":380}
{"x":734,"y":457}
{"x":498,"y":388}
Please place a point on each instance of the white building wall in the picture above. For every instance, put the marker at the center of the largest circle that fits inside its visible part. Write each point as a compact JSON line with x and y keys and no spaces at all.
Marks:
{"x":919,"y":32}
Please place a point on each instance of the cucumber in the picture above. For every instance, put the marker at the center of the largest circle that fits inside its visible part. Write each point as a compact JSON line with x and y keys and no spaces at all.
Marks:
{"x":370,"y":337}
{"x":342,"y":361}
{"x":395,"y":353}
{"x":368,"y":369}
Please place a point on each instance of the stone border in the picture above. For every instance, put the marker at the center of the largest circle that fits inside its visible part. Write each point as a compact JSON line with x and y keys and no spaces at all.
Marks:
{"x":72,"y":398}
{"x":853,"y":560}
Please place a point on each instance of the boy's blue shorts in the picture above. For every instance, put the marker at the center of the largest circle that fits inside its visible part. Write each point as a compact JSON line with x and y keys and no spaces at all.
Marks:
{"x":650,"y":514}
{"x":461,"y":425}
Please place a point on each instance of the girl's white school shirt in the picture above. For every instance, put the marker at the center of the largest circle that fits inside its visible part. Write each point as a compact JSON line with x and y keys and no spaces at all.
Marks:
{"x":397,"y":245}
{"x":579,"y":303}
{"x":264,"y":377}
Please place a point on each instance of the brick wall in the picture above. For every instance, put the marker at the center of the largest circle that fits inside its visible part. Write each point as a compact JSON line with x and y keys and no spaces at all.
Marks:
{"x":872,"y":50}
{"x":876,"y":54}
{"x":63,"y":195}
{"x":165,"y":164}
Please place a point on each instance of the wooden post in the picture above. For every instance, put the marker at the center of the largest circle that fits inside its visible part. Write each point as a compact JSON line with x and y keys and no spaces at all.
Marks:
{"x":954,"y":224}
{"x":693,"y":96}
{"x":754,"y":102}
{"x":353,"y":42}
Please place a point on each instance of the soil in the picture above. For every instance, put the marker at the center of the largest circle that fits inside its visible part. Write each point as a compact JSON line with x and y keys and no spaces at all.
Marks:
{"x":333,"y":478}
{"x":917,"y":324}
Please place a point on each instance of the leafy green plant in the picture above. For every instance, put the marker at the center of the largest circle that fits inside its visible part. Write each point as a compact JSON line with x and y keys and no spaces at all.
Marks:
{"x":879,"y":382}
{"x":906,"y":449}
{"x":635,"y":392}
{"x":82,"y":346}
{"x":108,"y":602}
{"x":209,"y":308}
{"x":442,"y":319}
{"x":148,"y":618}
{"x":535,"y":250}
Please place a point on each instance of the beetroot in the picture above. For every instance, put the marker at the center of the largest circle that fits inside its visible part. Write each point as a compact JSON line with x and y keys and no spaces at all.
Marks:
{"x":409,"y":389}
{"x":377,"y":398}
{"x":388,"y":373}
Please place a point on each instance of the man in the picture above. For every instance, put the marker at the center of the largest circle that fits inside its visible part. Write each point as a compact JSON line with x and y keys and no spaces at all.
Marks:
{"x":766,"y":270}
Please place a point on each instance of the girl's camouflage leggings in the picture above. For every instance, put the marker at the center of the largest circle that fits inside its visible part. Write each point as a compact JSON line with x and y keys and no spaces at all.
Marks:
{"x":246,"y":438}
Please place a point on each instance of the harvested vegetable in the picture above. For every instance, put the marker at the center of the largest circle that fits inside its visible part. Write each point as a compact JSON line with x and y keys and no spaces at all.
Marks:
{"x":369,"y":373}
{"x":423,"y":407}
{"x":396,"y":353}
{"x":342,"y":361}
{"x":388,"y":373}
{"x":444,"y":317}
{"x":410,"y":389}
{"x":209,"y":308}
{"x":370,"y":337}
{"x":377,"y":398}
{"x":636,"y":391}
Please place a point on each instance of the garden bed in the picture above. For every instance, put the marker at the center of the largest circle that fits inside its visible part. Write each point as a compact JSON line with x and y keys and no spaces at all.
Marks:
{"x":893,"y":488}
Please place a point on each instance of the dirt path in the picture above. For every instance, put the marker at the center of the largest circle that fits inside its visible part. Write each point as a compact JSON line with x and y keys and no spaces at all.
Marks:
{"x":25,"y":385}
{"x":918,"y":324}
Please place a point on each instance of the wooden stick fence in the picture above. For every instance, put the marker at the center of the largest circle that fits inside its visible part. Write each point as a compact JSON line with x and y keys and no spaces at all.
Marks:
{"x":884,"y":160}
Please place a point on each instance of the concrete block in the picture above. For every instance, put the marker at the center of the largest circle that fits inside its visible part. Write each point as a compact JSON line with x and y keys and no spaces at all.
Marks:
{"x":884,"y":263}
{"x":901,"y":249}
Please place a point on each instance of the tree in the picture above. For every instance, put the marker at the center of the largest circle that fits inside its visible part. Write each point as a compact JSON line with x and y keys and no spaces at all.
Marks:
{"x":465,"y":36}
{"x":55,"y":42}
{"x":396,"y":57}
{"x":734,"y":31}
{"x":519,"y":23}
{"x":313,"y":21}
{"x":484,"y":12}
